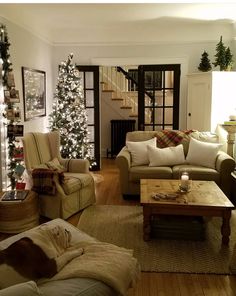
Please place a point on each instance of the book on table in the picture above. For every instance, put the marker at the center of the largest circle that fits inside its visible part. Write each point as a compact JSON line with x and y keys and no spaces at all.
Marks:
{"x":14,"y":195}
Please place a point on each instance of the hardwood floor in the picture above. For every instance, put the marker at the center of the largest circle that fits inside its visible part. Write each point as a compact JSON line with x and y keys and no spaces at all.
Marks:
{"x":161,"y":284}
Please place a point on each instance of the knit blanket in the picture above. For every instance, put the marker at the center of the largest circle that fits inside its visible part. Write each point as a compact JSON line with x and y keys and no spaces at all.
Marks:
{"x":167,"y":138}
{"x":113,"y":265}
{"x":44,"y":180}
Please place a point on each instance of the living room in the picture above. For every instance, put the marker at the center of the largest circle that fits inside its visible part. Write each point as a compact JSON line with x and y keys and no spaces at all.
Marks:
{"x":120,"y":34}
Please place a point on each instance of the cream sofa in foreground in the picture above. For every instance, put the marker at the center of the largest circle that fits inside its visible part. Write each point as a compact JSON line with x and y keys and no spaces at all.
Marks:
{"x":200,"y":162}
{"x":94,"y":285}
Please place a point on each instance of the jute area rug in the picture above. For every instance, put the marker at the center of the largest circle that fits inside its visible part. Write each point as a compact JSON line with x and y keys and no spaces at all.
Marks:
{"x":123,"y":226}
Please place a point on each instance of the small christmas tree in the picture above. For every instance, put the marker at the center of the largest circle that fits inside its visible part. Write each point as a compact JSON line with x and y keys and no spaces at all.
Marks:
{"x":205,"y":64}
{"x":220,"y":55}
{"x":69,"y":113}
{"x":228,"y":59}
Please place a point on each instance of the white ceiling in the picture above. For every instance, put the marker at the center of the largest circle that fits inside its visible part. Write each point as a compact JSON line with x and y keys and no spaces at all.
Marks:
{"x":75,"y":22}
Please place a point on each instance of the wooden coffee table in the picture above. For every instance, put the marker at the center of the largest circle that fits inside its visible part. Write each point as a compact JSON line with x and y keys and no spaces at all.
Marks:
{"x":204,"y":199}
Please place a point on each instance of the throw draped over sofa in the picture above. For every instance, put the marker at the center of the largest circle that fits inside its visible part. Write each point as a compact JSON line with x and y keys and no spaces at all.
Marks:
{"x":75,"y":192}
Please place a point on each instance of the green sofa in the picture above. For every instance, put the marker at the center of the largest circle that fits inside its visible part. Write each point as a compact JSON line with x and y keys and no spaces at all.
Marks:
{"x":130,"y":173}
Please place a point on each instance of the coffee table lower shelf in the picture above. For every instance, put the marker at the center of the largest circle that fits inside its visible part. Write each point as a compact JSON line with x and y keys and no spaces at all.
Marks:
{"x":178,"y":227}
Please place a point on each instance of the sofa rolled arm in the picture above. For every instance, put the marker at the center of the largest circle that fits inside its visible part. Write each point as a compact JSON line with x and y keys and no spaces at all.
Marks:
{"x":75,"y":165}
{"x":123,"y":162}
{"x":225,"y":164}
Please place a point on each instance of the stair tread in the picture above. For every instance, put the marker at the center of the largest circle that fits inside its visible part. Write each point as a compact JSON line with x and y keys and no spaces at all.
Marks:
{"x":133,"y":115}
{"x":108,"y":90}
{"x":117,"y":99}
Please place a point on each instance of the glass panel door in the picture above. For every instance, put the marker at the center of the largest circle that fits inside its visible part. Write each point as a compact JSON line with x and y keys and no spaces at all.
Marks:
{"x":90,"y":78}
{"x":158,"y":97}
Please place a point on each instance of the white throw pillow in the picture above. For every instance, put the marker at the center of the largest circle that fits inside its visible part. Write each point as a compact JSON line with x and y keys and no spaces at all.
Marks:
{"x":202,"y":153}
{"x":138,"y":150}
{"x":166,"y":156}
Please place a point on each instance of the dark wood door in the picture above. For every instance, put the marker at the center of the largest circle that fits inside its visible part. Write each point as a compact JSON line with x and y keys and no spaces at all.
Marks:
{"x":158,"y":96}
{"x":90,"y":78}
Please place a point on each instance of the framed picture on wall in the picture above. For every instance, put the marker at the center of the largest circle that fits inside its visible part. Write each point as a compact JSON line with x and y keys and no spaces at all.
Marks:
{"x":34,"y":93}
{"x":11,"y":96}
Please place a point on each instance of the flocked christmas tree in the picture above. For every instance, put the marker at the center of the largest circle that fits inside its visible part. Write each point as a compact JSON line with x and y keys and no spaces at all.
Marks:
{"x":69,"y":112}
{"x":205,"y":64}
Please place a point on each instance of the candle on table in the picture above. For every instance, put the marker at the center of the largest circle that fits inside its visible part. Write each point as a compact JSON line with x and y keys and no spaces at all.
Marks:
{"x":184,"y":180}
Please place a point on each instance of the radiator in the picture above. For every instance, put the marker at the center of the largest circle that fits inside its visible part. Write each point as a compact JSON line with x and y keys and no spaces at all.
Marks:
{"x":119,"y":128}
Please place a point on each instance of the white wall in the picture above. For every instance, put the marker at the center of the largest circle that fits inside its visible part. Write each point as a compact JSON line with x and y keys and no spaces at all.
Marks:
{"x":27,"y":50}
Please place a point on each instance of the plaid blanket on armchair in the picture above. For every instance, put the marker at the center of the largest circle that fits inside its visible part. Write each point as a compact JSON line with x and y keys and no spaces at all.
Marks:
{"x":43,"y":180}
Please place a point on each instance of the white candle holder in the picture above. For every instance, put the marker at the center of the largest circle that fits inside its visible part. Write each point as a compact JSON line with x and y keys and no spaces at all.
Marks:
{"x":185,"y":181}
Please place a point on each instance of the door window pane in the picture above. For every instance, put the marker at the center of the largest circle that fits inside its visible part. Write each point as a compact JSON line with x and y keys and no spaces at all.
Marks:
{"x":91,"y":133}
{"x":92,"y":150}
{"x":159,"y":98}
{"x":168,"y":116}
{"x":148,"y":101}
{"x":90,"y":113}
{"x":89,"y":98}
{"x":148,"y":128}
{"x":169,"y":99}
{"x":169,"y":82}
{"x":88,"y":79}
{"x":158,"y":116}
{"x":148,"y":115}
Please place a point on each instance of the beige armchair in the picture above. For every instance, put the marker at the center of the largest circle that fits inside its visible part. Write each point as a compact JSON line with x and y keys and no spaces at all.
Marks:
{"x":71,"y":196}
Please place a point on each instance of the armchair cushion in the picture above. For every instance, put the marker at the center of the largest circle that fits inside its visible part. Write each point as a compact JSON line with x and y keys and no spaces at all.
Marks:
{"x":75,"y":165}
{"x":74,"y":182}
